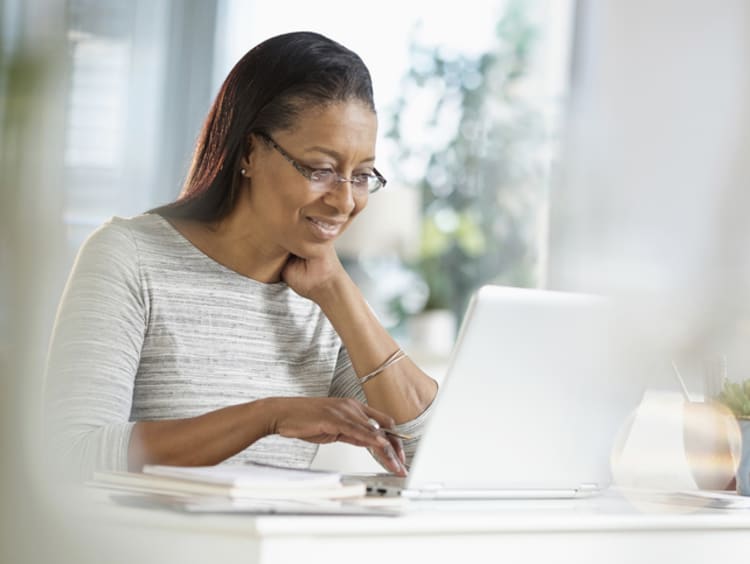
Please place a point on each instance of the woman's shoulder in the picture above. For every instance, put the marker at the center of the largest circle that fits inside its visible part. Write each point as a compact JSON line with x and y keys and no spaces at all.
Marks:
{"x":142,"y":224}
{"x":127,"y":239}
{"x":114,"y":246}
{"x":135,"y":231}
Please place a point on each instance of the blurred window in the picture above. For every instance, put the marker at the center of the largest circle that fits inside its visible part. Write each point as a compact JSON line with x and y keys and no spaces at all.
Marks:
{"x":139,"y":86}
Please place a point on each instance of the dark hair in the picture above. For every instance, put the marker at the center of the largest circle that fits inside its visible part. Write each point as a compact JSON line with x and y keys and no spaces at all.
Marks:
{"x":265,"y":92}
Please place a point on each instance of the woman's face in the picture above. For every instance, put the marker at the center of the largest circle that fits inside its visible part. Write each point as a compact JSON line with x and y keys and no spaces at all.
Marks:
{"x":291,"y":216}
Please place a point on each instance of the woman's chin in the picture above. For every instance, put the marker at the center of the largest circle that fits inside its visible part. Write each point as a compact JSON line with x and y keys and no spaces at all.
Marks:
{"x":315,"y":250}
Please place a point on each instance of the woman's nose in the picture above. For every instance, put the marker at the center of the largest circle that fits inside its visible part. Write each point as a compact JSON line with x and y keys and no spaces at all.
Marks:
{"x":341,"y":196}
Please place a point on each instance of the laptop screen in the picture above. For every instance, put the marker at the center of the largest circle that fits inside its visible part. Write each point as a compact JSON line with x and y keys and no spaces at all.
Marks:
{"x":533,"y":397}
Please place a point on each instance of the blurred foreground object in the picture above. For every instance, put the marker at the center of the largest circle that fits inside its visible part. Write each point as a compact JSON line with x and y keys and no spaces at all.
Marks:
{"x":32,"y":115}
{"x":651,"y":201}
{"x":649,"y":209}
{"x":671,"y":445}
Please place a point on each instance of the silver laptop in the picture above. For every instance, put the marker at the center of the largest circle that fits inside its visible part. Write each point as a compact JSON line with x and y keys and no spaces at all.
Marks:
{"x":530,"y":405}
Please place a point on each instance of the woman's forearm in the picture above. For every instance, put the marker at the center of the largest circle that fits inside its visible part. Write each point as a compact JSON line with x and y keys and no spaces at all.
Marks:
{"x":212,"y":438}
{"x":402,"y":390}
{"x":200,"y":441}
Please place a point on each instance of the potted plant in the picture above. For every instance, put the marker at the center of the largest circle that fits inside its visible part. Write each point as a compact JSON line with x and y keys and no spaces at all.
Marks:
{"x":736,"y":396}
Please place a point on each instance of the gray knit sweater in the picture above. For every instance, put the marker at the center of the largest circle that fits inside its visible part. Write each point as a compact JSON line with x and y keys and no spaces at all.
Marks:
{"x":151,"y":328}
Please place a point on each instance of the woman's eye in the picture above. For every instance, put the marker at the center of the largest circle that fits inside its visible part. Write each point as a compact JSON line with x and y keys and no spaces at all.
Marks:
{"x":321,"y":174}
{"x":362,"y":178}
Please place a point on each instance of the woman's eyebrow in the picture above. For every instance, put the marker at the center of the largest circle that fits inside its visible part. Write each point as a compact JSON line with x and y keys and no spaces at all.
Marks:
{"x":333,"y":153}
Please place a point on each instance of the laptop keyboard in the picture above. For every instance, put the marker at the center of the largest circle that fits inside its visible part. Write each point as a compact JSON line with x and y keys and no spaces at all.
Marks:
{"x":376,"y":483}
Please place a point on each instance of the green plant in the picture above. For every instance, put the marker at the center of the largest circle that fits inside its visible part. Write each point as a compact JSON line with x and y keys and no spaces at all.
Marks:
{"x":736,"y":396}
{"x":478,"y":160}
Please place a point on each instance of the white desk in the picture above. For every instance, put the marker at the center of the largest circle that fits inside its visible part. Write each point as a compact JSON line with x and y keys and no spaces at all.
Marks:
{"x":596,"y":530}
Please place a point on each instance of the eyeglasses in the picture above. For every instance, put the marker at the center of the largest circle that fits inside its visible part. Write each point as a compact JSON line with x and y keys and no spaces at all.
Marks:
{"x":324,"y":179}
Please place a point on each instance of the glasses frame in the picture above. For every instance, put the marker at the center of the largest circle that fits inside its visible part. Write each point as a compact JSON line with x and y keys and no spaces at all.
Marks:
{"x":308,"y":171}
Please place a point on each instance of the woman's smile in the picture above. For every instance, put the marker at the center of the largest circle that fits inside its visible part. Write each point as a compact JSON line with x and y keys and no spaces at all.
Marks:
{"x":324,"y":228}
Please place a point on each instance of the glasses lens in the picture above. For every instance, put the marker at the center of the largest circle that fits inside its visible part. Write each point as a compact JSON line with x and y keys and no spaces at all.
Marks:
{"x":375,"y":183}
{"x":324,"y":181}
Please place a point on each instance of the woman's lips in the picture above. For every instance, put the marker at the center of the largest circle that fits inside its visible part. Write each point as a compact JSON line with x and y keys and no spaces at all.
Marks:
{"x":324,"y":229}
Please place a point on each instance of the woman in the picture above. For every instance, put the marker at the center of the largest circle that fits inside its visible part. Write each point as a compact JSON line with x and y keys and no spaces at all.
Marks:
{"x":223,"y":326}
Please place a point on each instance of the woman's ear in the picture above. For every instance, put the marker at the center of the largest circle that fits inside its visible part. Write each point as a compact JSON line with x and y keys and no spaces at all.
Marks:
{"x":246,"y":162}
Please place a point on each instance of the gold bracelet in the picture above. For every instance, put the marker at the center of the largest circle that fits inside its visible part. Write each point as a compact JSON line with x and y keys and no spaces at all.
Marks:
{"x":391,"y":360}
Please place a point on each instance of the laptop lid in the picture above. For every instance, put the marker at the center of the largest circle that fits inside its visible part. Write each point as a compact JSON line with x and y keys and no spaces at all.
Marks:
{"x":532,"y":400}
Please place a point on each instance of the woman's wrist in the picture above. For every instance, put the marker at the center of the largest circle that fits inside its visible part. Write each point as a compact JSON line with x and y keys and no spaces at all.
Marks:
{"x":271,"y":411}
{"x":330,"y":295}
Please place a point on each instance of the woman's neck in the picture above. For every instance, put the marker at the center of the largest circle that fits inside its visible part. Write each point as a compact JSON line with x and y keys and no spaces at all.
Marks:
{"x":230,"y":243}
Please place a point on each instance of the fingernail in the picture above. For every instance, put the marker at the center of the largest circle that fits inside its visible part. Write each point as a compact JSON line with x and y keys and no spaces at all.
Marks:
{"x":390,"y":452}
{"x":400,"y":468}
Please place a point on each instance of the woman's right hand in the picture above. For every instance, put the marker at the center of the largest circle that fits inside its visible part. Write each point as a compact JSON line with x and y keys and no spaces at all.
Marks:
{"x":325,"y":420}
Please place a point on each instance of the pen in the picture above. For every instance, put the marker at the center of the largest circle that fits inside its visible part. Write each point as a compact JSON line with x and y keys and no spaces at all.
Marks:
{"x":403,"y":436}
{"x":376,"y":426}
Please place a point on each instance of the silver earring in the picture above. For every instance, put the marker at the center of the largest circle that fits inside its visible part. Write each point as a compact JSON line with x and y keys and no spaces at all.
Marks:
{"x":242,"y":171}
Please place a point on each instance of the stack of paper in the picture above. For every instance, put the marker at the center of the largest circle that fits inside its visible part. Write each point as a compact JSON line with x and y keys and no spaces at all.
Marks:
{"x":246,"y":481}
{"x":247,"y":488}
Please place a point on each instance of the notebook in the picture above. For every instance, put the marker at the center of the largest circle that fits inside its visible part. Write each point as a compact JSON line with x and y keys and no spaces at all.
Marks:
{"x":234,"y":481}
{"x":531,"y":403}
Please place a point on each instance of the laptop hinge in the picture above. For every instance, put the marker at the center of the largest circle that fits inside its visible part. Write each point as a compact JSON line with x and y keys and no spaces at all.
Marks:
{"x":585,"y":490}
{"x":426,"y":491}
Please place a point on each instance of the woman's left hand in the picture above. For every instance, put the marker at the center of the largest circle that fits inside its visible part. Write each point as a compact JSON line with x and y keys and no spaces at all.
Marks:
{"x":309,"y":276}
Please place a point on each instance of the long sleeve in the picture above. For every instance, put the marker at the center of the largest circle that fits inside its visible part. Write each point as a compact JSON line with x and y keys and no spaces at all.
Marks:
{"x":94,"y":356}
{"x":345,"y":384}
